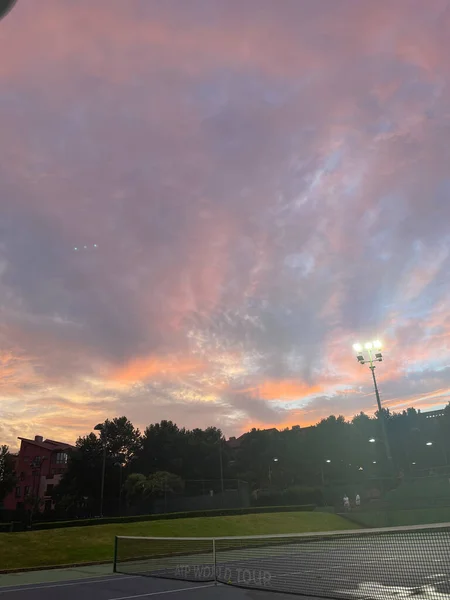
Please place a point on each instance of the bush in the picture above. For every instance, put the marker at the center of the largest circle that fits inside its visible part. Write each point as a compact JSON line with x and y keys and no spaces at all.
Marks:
{"x":180,"y":515}
{"x":420,"y":493}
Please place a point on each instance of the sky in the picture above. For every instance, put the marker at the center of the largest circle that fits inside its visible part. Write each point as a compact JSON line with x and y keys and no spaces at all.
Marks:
{"x":205,"y":203}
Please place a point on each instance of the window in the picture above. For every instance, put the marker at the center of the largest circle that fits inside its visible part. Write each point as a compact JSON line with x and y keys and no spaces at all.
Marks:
{"x":27,"y":490}
{"x":61,"y":458}
{"x":18,"y":491}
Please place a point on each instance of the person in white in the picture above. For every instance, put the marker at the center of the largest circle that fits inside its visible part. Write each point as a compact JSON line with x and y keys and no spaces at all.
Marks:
{"x":358,"y":500}
{"x":346,"y":502}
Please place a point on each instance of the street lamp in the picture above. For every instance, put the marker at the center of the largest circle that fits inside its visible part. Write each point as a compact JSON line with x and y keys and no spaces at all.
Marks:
{"x":270,"y":470}
{"x":371,"y":353}
{"x":120,"y":463}
{"x":100,"y":428}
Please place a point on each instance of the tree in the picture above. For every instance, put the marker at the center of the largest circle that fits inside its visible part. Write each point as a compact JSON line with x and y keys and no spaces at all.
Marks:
{"x":142,"y":490}
{"x":7,"y":472}
{"x":81,"y":483}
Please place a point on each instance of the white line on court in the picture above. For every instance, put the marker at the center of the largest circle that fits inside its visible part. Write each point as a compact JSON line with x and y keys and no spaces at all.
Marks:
{"x":186,"y":589}
{"x":26,"y":586}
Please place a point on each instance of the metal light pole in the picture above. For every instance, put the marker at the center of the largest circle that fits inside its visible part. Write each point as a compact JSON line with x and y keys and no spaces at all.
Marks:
{"x":120,"y":464}
{"x":370,"y":358}
{"x":270,"y":470}
{"x":99,"y":428}
{"x":221,"y":468}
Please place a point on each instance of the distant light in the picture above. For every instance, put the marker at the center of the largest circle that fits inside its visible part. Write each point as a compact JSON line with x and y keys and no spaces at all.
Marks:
{"x":374,"y":462}
{"x":75,"y":248}
{"x":377,"y":344}
{"x":275,"y":460}
{"x":372,"y":440}
{"x":86,"y":247}
{"x":357,"y":347}
{"x":414,"y":463}
{"x":429,"y":443}
{"x":361,"y":469}
{"x":95,"y":245}
{"x":328,"y":461}
{"x":369,"y":346}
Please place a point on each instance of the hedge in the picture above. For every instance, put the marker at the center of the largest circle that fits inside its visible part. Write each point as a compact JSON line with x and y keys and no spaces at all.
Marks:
{"x":178,"y":515}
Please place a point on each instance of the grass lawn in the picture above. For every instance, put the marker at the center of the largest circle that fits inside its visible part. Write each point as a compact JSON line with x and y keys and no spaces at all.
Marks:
{"x":95,"y":543}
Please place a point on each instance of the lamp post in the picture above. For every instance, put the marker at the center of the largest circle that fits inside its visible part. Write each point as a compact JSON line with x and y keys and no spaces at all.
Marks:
{"x":328,"y":461}
{"x":221,"y":469}
{"x":371,"y":353}
{"x":100,"y":428}
{"x":270,"y":470}
{"x":120,"y":463}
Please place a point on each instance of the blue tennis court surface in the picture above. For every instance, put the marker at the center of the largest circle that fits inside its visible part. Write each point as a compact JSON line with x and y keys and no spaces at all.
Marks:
{"x":124,"y":587}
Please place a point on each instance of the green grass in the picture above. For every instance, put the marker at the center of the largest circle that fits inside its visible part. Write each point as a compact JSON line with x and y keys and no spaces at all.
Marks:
{"x":90,"y":544}
{"x":396,"y":518}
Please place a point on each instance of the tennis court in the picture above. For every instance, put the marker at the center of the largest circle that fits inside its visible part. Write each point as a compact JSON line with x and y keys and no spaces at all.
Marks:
{"x":374,"y":564}
{"x":128,"y":587}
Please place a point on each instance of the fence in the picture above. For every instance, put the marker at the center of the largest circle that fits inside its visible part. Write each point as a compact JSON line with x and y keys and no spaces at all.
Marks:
{"x":205,"y":495}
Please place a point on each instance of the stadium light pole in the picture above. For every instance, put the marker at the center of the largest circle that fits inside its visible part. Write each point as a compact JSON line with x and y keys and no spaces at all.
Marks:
{"x":100,"y":429}
{"x":369,"y":354}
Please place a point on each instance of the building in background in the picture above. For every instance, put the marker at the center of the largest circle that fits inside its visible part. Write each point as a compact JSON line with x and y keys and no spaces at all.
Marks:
{"x":40,"y":465}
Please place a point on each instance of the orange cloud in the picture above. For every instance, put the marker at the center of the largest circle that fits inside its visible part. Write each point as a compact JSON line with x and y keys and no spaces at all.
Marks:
{"x":289,"y":389}
{"x":153,"y":367}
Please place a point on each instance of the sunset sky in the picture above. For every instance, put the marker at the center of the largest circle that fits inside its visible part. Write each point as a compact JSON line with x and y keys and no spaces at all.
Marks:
{"x":258,"y":184}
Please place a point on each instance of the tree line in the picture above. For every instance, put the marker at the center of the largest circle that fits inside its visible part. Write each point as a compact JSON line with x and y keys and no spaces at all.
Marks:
{"x":164,"y":459}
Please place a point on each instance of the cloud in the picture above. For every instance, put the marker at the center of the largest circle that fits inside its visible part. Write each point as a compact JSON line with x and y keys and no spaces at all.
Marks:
{"x":204,"y":206}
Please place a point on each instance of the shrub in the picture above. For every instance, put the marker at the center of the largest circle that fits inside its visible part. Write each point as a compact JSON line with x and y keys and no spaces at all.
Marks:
{"x":180,"y":515}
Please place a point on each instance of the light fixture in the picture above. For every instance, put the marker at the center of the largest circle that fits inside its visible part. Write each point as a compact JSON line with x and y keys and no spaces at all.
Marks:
{"x":372,"y":440}
{"x":413,"y":463}
{"x":361,"y":468}
{"x":429,"y":443}
{"x":275,"y":460}
{"x":368,"y":346}
{"x":360,"y":358}
{"x":328,"y":460}
{"x":374,"y":462}
{"x":357,"y":347}
{"x":377,"y":344}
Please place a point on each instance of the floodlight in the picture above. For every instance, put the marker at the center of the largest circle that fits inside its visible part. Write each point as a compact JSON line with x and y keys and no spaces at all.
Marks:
{"x":429,"y":443}
{"x":372,"y":440}
{"x":368,"y":346}
{"x":360,"y":358}
{"x":377,"y":344}
{"x":357,"y":347}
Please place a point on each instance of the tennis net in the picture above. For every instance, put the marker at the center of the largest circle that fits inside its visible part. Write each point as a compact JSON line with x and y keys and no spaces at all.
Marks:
{"x":375,"y":564}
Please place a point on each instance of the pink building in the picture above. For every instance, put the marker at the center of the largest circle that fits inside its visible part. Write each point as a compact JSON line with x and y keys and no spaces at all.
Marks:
{"x":40,"y":464}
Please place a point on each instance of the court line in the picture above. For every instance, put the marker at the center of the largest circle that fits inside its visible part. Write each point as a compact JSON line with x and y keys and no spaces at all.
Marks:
{"x":26,"y":586}
{"x":186,"y":589}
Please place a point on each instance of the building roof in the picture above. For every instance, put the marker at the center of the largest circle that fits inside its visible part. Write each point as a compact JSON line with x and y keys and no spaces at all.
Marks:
{"x":47,"y":444}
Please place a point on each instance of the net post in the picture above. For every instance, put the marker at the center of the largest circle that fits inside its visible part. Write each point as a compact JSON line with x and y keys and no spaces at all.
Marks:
{"x":115,"y":555}
{"x":214,"y":560}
